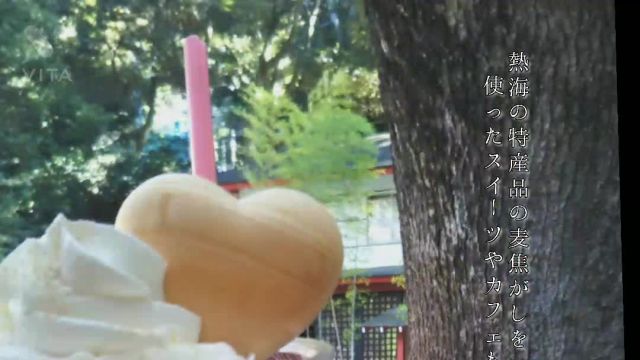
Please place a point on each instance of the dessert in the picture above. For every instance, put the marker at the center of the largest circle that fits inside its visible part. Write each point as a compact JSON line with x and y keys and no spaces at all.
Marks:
{"x":87,"y":291}
{"x":256,"y":270}
{"x":306,"y":348}
{"x":188,"y":272}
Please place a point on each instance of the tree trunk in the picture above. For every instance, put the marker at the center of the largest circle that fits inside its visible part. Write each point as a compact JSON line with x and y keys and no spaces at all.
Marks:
{"x":434,"y":58}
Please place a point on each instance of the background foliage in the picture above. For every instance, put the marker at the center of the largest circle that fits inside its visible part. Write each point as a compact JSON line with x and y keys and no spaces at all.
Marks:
{"x":80,"y":82}
{"x":324,"y":150}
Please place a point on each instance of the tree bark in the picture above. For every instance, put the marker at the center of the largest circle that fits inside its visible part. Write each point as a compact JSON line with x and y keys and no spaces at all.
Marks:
{"x":434,"y":58}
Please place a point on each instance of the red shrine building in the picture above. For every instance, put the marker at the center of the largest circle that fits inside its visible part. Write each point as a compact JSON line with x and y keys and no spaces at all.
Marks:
{"x":368,"y":319}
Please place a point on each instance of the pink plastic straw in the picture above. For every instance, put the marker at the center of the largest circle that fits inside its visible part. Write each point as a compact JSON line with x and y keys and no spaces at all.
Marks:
{"x":203,"y":161}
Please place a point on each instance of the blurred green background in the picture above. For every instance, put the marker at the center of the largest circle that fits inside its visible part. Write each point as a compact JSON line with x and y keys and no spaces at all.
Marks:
{"x":92,"y":97}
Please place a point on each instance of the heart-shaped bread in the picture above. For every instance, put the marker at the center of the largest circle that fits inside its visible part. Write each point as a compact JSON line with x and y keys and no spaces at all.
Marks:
{"x":257,"y":270}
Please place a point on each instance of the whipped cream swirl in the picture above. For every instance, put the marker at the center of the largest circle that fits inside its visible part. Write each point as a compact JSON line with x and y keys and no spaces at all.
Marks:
{"x":87,"y":291}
